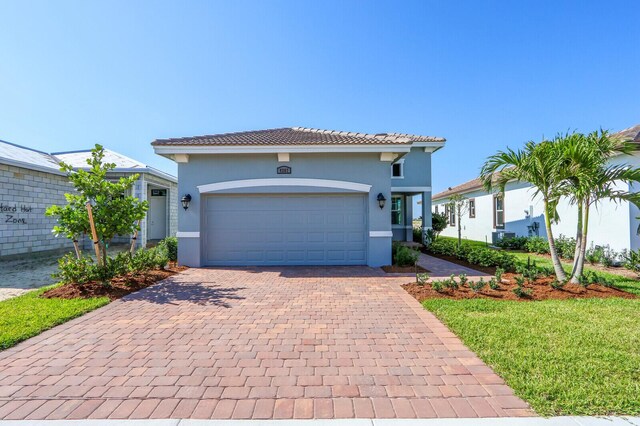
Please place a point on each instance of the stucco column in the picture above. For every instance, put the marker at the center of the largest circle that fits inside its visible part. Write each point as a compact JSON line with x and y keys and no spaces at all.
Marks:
{"x":426,"y":212}
{"x":408,"y":218}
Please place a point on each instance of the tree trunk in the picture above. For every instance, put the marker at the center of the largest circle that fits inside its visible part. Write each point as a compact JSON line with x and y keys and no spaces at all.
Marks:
{"x":576,"y":253}
{"x":575,"y":279}
{"x":77,"y":248}
{"x":557,"y":266}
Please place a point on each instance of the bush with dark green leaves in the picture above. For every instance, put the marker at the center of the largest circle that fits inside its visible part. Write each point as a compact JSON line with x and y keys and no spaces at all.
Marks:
{"x":513,"y":243}
{"x":171,"y":245}
{"x":405,"y":256}
{"x":566,"y":246}
{"x":476,"y":255}
{"x":538,"y":245}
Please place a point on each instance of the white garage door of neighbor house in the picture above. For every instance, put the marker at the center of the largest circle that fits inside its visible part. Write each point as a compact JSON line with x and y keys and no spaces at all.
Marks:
{"x":280,"y":229}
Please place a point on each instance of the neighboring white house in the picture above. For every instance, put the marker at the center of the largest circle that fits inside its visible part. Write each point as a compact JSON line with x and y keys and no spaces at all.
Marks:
{"x":517,"y":212}
{"x":31,"y":181}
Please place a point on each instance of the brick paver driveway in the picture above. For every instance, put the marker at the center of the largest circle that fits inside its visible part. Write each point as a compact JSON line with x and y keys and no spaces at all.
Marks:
{"x":258,"y":343}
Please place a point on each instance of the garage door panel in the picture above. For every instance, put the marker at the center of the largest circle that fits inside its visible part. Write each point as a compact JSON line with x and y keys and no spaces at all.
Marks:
{"x":280,"y":229}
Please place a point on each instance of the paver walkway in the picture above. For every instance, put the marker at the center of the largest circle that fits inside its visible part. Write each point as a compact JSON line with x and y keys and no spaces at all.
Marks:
{"x":256,"y":343}
{"x":442,"y":268}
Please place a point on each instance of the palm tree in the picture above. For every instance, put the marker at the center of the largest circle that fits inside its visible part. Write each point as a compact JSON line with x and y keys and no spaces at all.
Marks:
{"x":589,"y":180}
{"x":539,"y":165}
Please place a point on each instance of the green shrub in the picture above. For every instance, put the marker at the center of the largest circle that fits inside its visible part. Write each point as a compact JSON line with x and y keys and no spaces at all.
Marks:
{"x":146,"y":259}
{"x":499,"y":273}
{"x":437,"y":285}
{"x":171,"y":244}
{"x":405,"y":256}
{"x":452,"y":283}
{"x":558,"y":285}
{"x":494,"y":283}
{"x":566,"y":246}
{"x":594,"y":255}
{"x":481,"y":256}
{"x":477,"y":285}
{"x":609,"y":257}
{"x":522,"y":292}
{"x":538,"y":245}
{"x":631,"y":260}
{"x":514,"y":243}
{"x":463,"y":279}
{"x":74,"y":270}
{"x":422,"y":278}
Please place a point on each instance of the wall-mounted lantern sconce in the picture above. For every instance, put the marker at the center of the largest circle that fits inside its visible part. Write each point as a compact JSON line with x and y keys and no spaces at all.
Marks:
{"x":381,"y":200}
{"x":185,"y":201}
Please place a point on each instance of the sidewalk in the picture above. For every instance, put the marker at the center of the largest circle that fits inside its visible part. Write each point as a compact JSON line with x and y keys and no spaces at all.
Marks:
{"x":442,"y":268}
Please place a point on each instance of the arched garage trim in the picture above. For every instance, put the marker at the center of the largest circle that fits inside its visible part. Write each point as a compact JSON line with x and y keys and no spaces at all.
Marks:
{"x":252,"y":183}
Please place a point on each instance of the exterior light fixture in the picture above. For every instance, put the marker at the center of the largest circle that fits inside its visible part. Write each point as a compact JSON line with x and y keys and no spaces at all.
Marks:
{"x":185,"y":201}
{"x":381,"y":200}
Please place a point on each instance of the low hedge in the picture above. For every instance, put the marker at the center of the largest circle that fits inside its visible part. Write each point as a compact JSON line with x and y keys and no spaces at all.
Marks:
{"x":480,"y":256}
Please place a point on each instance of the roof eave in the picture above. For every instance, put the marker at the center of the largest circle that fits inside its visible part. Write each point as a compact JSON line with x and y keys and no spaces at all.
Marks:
{"x":168,"y":150}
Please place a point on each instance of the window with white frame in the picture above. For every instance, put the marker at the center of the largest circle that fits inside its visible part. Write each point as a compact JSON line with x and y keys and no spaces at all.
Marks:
{"x":396,"y":210}
{"x":472,"y":208}
{"x":397,"y":169}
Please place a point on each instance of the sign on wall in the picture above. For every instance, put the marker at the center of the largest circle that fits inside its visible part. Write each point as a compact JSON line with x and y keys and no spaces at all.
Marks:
{"x":12,"y":213}
{"x":284,"y":170}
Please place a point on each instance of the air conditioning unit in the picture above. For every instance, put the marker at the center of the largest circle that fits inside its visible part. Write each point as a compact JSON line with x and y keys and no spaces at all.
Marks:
{"x":500,"y":235}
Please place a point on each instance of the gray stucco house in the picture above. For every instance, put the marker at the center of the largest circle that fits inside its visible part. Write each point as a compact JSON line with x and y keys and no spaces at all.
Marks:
{"x":30,"y":181}
{"x":298,"y":196}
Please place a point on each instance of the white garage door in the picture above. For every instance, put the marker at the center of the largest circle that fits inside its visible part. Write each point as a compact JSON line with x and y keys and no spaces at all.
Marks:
{"x":280,"y":229}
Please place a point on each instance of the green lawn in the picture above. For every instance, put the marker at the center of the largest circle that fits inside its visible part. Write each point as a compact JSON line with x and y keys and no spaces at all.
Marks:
{"x":565,"y":357}
{"x":569,"y":357}
{"x":28,"y":315}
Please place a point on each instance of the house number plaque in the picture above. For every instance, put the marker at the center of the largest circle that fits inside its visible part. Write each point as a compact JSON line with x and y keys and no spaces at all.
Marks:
{"x":284,"y":170}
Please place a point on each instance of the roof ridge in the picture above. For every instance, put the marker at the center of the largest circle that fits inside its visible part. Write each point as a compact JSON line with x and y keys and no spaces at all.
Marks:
{"x":217,"y":135}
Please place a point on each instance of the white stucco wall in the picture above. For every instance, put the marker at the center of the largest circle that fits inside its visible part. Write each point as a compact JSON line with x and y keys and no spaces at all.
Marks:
{"x":609,"y":223}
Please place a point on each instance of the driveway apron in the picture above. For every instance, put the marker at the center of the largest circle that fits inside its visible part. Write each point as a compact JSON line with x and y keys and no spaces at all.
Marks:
{"x":258,"y":343}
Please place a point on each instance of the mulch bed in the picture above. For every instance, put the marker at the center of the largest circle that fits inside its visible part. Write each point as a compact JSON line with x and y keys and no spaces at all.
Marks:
{"x":120,"y":286}
{"x":541,"y":290}
{"x":491,"y":270}
{"x":395,"y":269}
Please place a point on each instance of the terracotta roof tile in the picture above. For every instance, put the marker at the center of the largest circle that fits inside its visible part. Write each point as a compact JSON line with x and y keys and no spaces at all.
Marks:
{"x":299,"y":136}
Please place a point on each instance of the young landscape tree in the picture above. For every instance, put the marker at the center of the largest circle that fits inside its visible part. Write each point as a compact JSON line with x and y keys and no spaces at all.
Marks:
{"x":114,"y":212}
{"x":460,"y":205}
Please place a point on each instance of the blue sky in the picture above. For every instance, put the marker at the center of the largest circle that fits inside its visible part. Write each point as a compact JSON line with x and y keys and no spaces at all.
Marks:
{"x":483,"y":74}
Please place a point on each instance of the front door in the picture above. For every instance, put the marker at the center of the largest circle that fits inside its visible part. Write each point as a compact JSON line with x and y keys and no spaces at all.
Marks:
{"x":157,"y":214}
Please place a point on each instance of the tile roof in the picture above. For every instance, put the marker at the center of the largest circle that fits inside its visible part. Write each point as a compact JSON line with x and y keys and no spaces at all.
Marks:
{"x":632,"y":134}
{"x":469,"y":186}
{"x":299,"y":136}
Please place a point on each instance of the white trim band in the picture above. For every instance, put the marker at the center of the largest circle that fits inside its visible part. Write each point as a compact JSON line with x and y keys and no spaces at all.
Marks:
{"x":379,"y":234}
{"x":252,"y":183}
{"x":182,"y":234}
{"x":254,"y":149}
{"x":410,"y":189}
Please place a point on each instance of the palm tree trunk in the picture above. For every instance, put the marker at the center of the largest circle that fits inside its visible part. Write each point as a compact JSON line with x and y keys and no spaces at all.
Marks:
{"x":583,"y":247}
{"x":576,"y":253}
{"x":557,"y":266}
